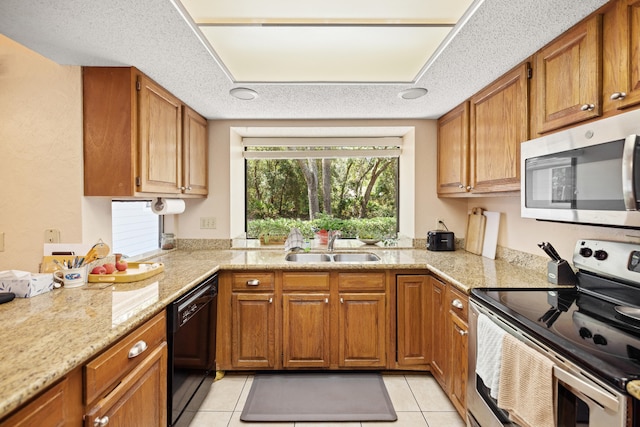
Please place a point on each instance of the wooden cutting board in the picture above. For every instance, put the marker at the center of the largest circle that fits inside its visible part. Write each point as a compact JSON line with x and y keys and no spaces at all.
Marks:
{"x":475,"y":231}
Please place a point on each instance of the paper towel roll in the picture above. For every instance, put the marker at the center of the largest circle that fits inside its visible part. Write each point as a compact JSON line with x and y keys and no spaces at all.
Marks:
{"x":167,"y":206}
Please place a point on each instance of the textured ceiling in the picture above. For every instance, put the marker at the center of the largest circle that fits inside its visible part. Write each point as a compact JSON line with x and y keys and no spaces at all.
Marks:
{"x":153,"y":36}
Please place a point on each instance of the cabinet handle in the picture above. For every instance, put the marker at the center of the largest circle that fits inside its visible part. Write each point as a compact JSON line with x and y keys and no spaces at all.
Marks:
{"x":341,"y":300}
{"x":462,"y":333}
{"x":135,"y":351}
{"x":326,"y":300}
{"x":270,"y":300}
{"x":457,"y":304}
{"x":189,"y":188}
{"x":618,"y":95}
{"x":588,"y":107}
{"x":460,"y":186}
{"x":469,"y":187}
{"x":182,"y":188}
{"x":253,"y":282}
{"x":101,"y":422}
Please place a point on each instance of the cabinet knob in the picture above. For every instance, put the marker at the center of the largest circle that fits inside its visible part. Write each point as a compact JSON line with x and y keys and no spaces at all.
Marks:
{"x":462,"y":333}
{"x":457,"y":304}
{"x":253,"y":282}
{"x":326,"y":300}
{"x":182,"y":188}
{"x":588,"y":107}
{"x":137,"y":349}
{"x":618,"y":95}
{"x":469,"y":187}
{"x":189,"y":188}
{"x":460,"y":186}
{"x":341,"y":300}
{"x":270,"y":300}
{"x":101,"y":422}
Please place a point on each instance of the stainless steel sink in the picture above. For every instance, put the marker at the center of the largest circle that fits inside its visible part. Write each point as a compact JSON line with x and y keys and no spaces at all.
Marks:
{"x":356,"y":257}
{"x":337,"y":257}
{"x":308,"y":257}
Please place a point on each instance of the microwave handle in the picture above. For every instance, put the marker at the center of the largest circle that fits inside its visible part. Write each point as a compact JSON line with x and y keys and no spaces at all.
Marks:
{"x":628,"y":172}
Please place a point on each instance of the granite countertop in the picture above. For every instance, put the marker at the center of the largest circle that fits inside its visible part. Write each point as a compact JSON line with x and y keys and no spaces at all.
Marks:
{"x":49,"y":335}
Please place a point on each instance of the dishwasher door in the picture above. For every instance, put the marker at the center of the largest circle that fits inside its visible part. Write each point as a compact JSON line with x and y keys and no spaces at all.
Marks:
{"x":192,"y":348}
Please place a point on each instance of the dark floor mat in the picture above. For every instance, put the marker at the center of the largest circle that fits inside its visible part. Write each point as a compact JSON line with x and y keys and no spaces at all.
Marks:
{"x":318,"y":397}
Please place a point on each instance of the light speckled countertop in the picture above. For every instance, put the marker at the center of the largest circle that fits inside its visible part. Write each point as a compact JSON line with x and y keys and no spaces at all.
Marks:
{"x":47,"y":336}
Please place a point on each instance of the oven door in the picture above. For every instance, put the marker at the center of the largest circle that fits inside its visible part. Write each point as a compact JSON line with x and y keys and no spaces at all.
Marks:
{"x":579,"y":400}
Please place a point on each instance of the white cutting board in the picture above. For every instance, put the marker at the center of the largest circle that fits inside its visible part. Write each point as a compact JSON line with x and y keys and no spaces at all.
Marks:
{"x":491,"y":234}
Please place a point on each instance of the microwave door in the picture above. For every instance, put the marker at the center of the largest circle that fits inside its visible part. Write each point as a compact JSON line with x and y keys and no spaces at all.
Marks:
{"x":631,"y":172}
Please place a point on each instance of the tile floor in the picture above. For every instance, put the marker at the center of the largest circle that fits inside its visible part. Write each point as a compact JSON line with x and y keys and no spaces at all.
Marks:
{"x":417,"y":398}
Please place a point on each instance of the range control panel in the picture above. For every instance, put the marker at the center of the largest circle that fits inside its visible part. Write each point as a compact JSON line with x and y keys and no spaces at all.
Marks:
{"x":617,"y":260}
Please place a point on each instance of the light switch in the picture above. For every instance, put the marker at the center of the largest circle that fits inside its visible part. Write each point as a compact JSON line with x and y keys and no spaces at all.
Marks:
{"x":52,"y":235}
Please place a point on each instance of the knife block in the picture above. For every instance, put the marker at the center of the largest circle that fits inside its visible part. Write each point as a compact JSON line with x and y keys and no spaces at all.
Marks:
{"x":560,"y":273}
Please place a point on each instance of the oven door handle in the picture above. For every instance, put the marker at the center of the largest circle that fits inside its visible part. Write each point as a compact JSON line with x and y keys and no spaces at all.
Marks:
{"x":598,"y":396}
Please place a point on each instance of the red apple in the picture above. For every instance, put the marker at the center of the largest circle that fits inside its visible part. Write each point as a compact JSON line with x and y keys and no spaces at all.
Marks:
{"x":121,"y":265}
{"x":109,"y":267}
{"x":99,"y":270}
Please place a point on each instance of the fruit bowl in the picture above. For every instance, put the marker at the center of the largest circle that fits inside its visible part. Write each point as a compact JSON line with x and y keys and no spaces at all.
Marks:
{"x":369,"y":241}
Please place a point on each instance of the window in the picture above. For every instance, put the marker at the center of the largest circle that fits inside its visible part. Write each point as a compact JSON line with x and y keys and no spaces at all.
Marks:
{"x":351,"y":183}
{"x":135,"y":228}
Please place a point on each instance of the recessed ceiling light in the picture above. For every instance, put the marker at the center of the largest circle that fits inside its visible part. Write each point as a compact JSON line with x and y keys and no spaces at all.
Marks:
{"x":412,"y":93}
{"x":243,"y":93}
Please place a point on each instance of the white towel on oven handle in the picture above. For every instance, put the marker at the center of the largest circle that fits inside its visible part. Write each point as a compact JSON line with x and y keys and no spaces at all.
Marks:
{"x":489,"y":353}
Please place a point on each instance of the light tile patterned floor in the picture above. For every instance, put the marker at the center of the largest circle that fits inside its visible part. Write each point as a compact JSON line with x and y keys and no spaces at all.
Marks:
{"x":417,"y":398}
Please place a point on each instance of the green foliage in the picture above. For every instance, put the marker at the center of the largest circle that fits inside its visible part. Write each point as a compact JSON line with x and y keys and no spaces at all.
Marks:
{"x":366,"y":228}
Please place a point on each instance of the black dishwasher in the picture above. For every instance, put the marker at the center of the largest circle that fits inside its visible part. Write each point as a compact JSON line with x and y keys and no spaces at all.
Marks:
{"x":191,"y":336}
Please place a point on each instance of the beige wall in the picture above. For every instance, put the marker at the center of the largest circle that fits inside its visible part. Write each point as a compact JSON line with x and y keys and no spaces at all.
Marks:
{"x":41,"y":161}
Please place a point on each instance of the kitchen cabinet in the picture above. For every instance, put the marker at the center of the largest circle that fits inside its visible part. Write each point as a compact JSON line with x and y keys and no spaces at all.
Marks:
{"x":458,"y":331}
{"x":499,"y":117}
{"x":253,"y":321}
{"x":134,"y":143}
{"x":438,"y":310}
{"x":306,"y":332}
{"x":58,"y":406}
{"x":413,"y":321}
{"x":621,"y":56}
{"x":127,"y":384}
{"x":568,"y":74}
{"x":306,"y":319}
{"x":453,"y":151}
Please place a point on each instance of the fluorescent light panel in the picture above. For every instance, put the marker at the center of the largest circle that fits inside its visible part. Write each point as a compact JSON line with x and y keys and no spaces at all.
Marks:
{"x":284,"y":41}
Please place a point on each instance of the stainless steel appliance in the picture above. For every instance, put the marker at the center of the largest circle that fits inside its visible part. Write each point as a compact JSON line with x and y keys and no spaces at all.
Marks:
{"x":438,"y":240}
{"x":191,"y":330}
{"x":591,"y":333}
{"x":587,"y":174}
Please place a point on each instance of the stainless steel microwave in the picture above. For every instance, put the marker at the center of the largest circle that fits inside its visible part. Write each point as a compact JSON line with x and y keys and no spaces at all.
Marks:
{"x":589,"y":174}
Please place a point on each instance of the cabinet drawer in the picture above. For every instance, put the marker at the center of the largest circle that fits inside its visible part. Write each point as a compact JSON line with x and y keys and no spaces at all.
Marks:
{"x":361,"y":281}
{"x":105,"y":370}
{"x":458,"y":303}
{"x":252,"y":281}
{"x":305,"y":281}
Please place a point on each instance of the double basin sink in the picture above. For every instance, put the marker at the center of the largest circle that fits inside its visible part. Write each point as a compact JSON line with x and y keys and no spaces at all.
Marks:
{"x":332,"y":257}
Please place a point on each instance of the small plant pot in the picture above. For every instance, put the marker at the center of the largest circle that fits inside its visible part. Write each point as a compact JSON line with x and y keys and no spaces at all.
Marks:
{"x":272,"y":240}
{"x":323,"y":237}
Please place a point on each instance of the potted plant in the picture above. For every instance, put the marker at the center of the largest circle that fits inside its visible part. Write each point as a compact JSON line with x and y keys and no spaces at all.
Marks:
{"x":273,"y":231}
{"x":324,"y":223}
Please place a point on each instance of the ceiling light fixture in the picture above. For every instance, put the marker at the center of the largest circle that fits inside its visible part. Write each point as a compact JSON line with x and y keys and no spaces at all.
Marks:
{"x":243,"y":93}
{"x":412,"y":93}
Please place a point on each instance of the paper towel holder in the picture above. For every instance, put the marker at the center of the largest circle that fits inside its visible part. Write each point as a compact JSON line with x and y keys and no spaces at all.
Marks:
{"x":167,"y":206}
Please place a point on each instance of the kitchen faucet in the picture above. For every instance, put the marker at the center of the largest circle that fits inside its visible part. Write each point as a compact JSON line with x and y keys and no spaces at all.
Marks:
{"x":333,"y":235}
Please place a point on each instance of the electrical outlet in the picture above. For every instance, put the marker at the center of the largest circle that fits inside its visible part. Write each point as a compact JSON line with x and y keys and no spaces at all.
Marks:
{"x":208,"y":222}
{"x":439,"y":224}
{"x":52,"y":235}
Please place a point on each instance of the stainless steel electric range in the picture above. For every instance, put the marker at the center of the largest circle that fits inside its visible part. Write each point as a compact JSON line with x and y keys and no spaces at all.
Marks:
{"x":590,"y":331}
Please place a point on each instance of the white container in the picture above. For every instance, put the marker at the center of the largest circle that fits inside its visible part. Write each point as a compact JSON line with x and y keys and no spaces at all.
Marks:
{"x":24,"y":284}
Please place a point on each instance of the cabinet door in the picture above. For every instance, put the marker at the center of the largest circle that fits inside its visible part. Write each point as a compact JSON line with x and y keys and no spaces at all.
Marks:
{"x":459,"y":359}
{"x":139,"y":400}
{"x":362,"y":330}
{"x":499,"y":123}
{"x":160,"y":139}
{"x":621,"y":55}
{"x":439,"y":335}
{"x":195,"y":153}
{"x":568,"y":77}
{"x":413,"y":320}
{"x":252,"y":330}
{"x":453,"y":150}
{"x":305,"y":330}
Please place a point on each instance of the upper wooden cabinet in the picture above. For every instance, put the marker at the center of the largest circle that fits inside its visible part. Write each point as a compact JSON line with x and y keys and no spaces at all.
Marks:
{"x":498,"y":125}
{"x":453,"y":151}
{"x":138,"y":138}
{"x":568,"y":77}
{"x":621,"y":56}
{"x":479,"y":141}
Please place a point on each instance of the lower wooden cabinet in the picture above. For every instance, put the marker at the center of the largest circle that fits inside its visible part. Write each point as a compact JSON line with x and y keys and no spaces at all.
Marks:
{"x":306,"y":333}
{"x":439,"y":362}
{"x":252,"y":329}
{"x":413,"y":321}
{"x":458,"y":304}
{"x":127,"y":384}
{"x":362,"y":330}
